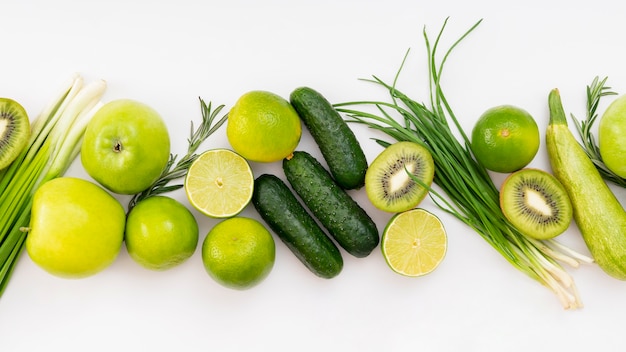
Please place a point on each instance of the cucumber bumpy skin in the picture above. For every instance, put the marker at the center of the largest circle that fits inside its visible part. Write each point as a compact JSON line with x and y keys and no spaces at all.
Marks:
{"x":295,"y":227}
{"x":599,"y":215}
{"x":344,"y":219}
{"x":339,"y":146}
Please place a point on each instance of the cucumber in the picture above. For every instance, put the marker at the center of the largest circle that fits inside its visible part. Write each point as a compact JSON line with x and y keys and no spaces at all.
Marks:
{"x":599,"y":215}
{"x":284,"y":214}
{"x":339,"y":146}
{"x":344,"y":219}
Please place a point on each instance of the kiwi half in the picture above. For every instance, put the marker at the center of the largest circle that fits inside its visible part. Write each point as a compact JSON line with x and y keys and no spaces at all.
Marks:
{"x":536,"y":203}
{"x":14,"y":130}
{"x":387,"y":183}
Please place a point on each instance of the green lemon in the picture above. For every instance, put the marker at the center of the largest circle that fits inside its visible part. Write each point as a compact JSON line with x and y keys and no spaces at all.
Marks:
{"x":611,"y":136}
{"x":263,"y":127}
{"x":161,"y":233}
{"x":238,"y":253}
{"x":505,"y":139}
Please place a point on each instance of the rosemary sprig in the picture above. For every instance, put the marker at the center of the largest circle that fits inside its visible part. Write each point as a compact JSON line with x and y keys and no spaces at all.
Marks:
{"x":595,"y":91}
{"x":175,"y":170}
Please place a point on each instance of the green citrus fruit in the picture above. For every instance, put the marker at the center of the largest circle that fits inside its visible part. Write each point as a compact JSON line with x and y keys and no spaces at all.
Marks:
{"x":219,"y":183}
{"x":263,"y":127}
{"x":161,"y":233}
{"x":505,"y":139}
{"x":414,"y":242}
{"x":611,"y":140}
{"x":238,"y":253}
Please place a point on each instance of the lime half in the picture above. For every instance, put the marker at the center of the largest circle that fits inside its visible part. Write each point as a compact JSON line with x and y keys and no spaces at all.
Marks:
{"x":414,"y":242}
{"x":219,"y":183}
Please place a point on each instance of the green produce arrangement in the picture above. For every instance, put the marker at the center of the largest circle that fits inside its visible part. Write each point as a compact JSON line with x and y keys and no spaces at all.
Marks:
{"x":469,"y":192}
{"x":75,"y":228}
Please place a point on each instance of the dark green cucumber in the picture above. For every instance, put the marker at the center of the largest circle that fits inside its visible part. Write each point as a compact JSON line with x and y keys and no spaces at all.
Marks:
{"x":337,"y":142}
{"x":284,"y":214}
{"x":335,"y":209}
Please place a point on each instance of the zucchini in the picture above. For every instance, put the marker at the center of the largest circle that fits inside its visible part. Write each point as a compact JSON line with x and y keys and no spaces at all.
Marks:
{"x":339,"y":146}
{"x":344,"y":219}
{"x":599,"y":215}
{"x":284,"y":214}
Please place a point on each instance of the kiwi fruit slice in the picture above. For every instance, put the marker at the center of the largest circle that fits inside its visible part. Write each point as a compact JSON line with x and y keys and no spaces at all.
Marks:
{"x":14,"y":130}
{"x":387,"y":182}
{"x":536,"y":203}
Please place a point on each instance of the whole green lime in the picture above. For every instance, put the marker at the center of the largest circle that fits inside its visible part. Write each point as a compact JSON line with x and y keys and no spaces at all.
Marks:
{"x":161,"y":233}
{"x":263,"y":127}
{"x":239,"y":252}
{"x":505,"y":139}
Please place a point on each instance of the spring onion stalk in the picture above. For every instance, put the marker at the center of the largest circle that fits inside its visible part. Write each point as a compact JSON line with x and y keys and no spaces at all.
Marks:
{"x":56,"y":136}
{"x":469,"y":193}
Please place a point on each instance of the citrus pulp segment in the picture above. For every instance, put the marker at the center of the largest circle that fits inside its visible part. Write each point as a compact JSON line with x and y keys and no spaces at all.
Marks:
{"x":414,"y":242}
{"x":219,"y":183}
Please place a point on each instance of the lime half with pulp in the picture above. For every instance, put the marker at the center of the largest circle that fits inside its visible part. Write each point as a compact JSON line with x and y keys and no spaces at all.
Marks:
{"x":219,"y":183}
{"x":414,"y":242}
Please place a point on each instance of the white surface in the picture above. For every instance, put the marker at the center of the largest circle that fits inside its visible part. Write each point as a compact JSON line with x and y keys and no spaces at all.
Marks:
{"x":169,"y":54}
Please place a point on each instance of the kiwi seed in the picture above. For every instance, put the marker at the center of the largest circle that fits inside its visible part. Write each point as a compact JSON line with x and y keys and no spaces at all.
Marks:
{"x":536,"y":203}
{"x":387,"y":183}
{"x":14,"y":130}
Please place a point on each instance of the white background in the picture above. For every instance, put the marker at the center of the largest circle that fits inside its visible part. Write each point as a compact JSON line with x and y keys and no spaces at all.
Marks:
{"x":169,"y":54}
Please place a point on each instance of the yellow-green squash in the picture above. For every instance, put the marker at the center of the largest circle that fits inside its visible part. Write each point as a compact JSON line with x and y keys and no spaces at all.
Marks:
{"x":597,"y":212}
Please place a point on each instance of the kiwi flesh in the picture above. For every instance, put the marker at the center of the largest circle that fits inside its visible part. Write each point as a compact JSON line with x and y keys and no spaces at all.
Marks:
{"x":387,"y":182}
{"x":14,"y":130}
{"x":536,"y":203}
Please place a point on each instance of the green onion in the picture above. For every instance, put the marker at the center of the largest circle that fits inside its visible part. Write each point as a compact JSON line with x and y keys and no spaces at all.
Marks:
{"x":469,"y":193}
{"x":56,"y":136}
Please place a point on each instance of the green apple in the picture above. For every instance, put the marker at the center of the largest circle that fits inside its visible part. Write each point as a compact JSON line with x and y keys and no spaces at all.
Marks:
{"x":161,"y":233}
{"x":76,"y":228}
{"x":612,"y":136}
{"x":126,"y":146}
